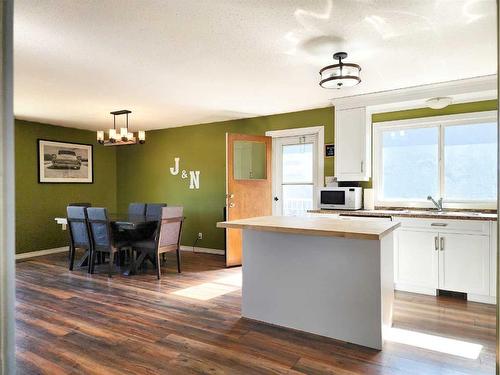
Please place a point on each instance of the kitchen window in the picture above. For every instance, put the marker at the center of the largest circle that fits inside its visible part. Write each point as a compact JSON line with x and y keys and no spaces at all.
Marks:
{"x":453,"y":157}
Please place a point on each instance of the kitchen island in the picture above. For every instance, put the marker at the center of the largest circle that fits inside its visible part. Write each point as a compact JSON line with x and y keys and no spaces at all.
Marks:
{"x":320,"y":275}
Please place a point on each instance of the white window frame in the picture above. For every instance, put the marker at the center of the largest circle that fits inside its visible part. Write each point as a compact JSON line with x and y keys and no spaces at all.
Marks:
{"x":319,"y":180}
{"x":441,"y":122}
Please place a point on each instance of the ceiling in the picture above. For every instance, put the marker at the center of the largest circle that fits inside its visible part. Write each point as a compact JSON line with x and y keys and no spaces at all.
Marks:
{"x":184,"y":62}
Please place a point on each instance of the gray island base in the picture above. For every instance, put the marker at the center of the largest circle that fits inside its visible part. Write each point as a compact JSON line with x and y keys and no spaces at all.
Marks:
{"x":319,"y":275}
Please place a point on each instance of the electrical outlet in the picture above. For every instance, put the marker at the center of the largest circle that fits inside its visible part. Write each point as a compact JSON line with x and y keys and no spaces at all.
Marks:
{"x":200,"y":236}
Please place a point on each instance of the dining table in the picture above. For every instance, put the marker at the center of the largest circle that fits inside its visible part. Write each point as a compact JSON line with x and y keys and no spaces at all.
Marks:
{"x":123,"y":225}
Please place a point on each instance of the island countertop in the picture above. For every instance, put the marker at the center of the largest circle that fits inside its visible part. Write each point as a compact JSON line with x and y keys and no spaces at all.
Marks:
{"x":317,"y":226}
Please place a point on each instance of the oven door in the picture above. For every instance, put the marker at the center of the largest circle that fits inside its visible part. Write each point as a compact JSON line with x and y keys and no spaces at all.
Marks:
{"x":333,"y":198}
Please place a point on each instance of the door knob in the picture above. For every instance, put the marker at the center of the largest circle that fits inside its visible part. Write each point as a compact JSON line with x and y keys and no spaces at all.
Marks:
{"x":231,"y":205}
{"x":276,"y":199}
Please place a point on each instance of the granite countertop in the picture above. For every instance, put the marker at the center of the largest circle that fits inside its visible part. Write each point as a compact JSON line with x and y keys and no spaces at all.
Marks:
{"x":415,"y":213}
{"x":316,"y":226}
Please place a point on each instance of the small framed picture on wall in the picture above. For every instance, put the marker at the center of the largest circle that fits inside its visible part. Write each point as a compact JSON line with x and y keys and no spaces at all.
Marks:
{"x":65,"y":162}
{"x":329,"y":150}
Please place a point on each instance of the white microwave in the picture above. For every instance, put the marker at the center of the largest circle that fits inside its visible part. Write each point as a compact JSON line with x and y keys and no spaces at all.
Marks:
{"x":340,"y":198}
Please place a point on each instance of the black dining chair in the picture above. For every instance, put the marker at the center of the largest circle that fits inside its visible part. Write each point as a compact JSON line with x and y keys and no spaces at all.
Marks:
{"x":102,"y":237}
{"x":154,"y":209}
{"x":80,"y":204}
{"x":167,"y":238}
{"x":79,"y":235}
{"x":137,"y":209}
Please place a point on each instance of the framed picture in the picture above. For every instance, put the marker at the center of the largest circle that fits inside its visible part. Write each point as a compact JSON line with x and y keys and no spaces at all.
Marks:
{"x":329,"y":150}
{"x":64,"y":162}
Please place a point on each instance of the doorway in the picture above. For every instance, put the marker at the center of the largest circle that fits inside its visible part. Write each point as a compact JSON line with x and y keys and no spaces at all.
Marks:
{"x":297,"y":169}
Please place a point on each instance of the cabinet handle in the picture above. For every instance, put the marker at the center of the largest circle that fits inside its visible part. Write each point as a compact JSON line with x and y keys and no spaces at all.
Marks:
{"x":442,"y":243}
{"x":439,"y":225}
{"x":436,"y":243}
{"x":361,"y":166}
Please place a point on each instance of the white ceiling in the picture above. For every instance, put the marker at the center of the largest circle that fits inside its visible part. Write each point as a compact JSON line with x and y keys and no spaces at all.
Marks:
{"x":193,"y":61}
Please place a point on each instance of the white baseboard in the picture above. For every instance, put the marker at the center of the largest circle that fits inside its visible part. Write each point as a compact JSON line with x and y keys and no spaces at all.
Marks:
{"x":202,"y":250}
{"x":481,"y":298}
{"x":39,"y":253}
{"x":415,"y":289}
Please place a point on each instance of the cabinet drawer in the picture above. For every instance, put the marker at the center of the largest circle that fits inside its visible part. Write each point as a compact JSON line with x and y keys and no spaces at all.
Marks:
{"x":443,"y":225}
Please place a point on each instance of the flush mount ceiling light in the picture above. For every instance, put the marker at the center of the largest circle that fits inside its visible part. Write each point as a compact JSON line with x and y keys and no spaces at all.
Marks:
{"x":438,"y":103}
{"x":125,"y":137}
{"x":340,"y":75}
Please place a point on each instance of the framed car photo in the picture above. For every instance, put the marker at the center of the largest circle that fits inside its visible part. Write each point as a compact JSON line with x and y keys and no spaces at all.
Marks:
{"x":64,"y":162}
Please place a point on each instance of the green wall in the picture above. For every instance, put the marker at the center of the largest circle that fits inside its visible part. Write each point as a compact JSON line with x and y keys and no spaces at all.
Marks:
{"x":143,"y":171}
{"x":38,"y":204}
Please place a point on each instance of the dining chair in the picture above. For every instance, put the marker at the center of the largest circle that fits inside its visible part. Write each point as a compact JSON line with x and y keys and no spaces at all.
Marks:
{"x":79,"y":235}
{"x":137,"y":209}
{"x":167,"y":238}
{"x":102,"y":237}
{"x":80,"y":204}
{"x":155,"y":209}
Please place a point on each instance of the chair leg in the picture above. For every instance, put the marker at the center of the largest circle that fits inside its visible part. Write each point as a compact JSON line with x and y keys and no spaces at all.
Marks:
{"x":71,"y":257}
{"x":158,"y":266}
{"x":91,"y":261}
{"x":111,"y":262}
{"x":178,"y":252}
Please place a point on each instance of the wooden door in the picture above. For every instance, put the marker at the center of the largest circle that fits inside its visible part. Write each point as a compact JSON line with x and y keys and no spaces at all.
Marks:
{"x":248,"y":185}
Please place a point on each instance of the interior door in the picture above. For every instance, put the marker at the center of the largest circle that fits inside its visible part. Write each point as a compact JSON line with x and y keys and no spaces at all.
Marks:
{"x":248,"y":185}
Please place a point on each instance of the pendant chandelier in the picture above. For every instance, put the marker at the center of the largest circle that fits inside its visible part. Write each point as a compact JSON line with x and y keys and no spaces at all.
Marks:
{"x":124,"y":136}
{"x":340,"y":75}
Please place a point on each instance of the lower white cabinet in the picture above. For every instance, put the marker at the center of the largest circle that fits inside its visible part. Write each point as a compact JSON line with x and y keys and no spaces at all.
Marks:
{"x":464,"y":263}
{"x":417,"y":261}
{"x":451,"y":256}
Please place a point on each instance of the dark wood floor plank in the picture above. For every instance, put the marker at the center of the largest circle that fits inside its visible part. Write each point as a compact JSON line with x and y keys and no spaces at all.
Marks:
{"x":75,"y":323}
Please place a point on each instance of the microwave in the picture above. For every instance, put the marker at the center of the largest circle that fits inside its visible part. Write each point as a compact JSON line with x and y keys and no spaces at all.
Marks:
{"x":340,"y":198}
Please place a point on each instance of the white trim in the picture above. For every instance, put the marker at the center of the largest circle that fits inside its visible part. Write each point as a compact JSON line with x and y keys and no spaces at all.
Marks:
{"x":415,"y":289}
{"x":462,"y":90}
{"x":205,"y":250}
{"x":318,"y":131}
{"x":481,"y":298}
{"x":435,"y":121}
{"x":39,"y":253}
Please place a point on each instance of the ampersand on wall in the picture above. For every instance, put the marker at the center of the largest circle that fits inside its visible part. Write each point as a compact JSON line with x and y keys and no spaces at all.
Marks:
{"x":194,"y":176}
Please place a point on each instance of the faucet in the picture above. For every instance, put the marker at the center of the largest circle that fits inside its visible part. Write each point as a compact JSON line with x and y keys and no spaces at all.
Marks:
{"x":438,"y":204}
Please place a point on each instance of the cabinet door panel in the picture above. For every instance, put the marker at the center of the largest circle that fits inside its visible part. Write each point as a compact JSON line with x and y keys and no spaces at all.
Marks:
{"x":352,"y":145}
{"x":418,"y":259}
{"x":464,"y":262}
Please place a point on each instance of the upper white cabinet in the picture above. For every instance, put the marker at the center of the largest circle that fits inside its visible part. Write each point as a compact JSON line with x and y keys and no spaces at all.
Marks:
{"x":352,"y":144}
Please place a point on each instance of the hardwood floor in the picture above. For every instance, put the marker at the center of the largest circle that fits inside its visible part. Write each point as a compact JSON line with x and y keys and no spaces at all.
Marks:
{"x":73,"y":323}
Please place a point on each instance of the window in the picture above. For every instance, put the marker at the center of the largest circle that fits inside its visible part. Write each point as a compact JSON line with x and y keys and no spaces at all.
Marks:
{"x":454,"y":157}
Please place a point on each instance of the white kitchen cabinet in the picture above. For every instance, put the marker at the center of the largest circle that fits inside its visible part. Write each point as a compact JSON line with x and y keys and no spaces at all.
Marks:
{"x":352,"y":144}
{"x":417,"y":262}
{"x":452,"y":255}
{"x":493,"y":258}
{"x":464,"y":262}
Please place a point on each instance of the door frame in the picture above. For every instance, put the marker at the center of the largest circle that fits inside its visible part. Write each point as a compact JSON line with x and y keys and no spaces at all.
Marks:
{"x":318,"y":131}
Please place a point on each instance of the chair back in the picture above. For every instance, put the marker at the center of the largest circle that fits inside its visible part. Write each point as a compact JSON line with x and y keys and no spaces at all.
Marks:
{"x":155,"y":209}
{"x":80,"y":204}
{"x":100,"y":229}
{"x":78,"y":226}
{"x":137,"y":209}
{"x":170,"y":226}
